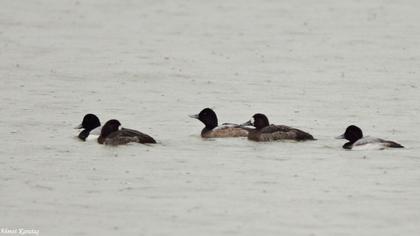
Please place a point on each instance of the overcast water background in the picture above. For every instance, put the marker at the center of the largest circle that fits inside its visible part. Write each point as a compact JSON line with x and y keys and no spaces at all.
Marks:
{"x":315,"y":65}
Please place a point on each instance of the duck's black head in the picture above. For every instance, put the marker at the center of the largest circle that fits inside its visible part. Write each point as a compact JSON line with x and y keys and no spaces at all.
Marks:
{"x":353,"y":133}
{"x":90,"y":122}
{"x":259,"y":121}
{"x":208,"y":117}
{"x":109,"y":127}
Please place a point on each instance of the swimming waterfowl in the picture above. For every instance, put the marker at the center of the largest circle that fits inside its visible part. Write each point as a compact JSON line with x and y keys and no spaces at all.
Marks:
{"x":356,"y":140}
{"x":213,"y":130}
{"x":113,"y":134}
{"x":89,"y":123}
{"x":265,"y":132}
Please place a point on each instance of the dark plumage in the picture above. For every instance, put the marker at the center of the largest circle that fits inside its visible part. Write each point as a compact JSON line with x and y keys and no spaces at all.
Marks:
{"x":113,"y":134}
{"x":265,"y":132}
{"x":90,"y":122}
{"x":212,"y":130}
{"x":356,"y":140}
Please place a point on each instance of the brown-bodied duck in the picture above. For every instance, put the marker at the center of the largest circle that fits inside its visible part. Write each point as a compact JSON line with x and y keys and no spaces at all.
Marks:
{"x":265,"y":132}
{"x":213,"y":130}
{"x":113,"y":134}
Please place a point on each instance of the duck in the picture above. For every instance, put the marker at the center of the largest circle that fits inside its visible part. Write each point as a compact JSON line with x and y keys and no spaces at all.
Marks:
{"x":90,"y":125}
{"x":265,"y":132}
{"x":357,"y":141}
{"x":113,"y":134}
{"x":213,"y":130}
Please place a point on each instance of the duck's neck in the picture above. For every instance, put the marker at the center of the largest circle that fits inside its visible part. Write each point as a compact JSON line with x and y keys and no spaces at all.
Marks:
{"x":211,"y":125}
{"x":348,"y":145}
{"x":101,"y":139}
{"x":84,"y":134}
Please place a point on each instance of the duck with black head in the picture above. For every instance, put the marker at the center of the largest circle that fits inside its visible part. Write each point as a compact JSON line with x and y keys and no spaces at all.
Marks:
{"x":212,"y":128}
{"x":91,"y":127}
{"x":113,"y":134}
{"x":265,"y":132}
{"x":358,"y":142}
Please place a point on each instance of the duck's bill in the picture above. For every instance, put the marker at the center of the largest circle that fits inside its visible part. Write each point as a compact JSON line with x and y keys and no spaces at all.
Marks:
{"x":96,"y":131}
{"x":79,"y":126}
{"x":194,"y":116}
{"x":248,"y":123}
{"x":340,"y":137}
